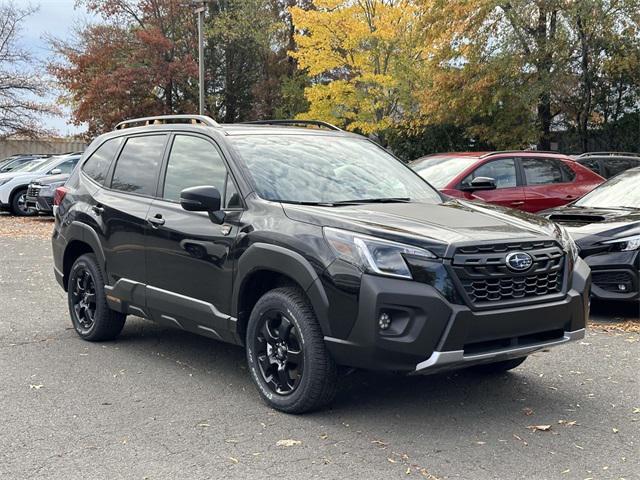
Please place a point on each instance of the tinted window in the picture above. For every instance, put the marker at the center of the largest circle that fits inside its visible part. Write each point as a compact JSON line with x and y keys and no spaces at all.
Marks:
{"x":319,"y":169}
{"x":193,"y":161}
{"x":503,"y":171}
{"x":138,"y":165}
{"x":232,"y":198}
{"x":99,"y":162}
{"x":539,"y":171}
{"x":615,"y":166}
{"x":592,"y":164}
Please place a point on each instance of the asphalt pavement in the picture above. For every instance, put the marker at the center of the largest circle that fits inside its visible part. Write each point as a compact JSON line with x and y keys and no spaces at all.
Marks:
{"x":161,"y":404}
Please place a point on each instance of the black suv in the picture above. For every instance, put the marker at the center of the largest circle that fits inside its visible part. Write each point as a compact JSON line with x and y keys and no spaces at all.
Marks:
{"x":312,"y":248}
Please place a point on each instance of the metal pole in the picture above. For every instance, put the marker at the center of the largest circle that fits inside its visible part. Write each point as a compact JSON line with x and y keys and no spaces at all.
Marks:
{"x":200,"y":12}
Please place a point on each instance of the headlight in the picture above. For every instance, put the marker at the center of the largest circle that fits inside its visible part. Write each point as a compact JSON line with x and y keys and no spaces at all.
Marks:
{"x":373,"y":255}
{"x":625,"y":244}
{"x":568,"y":244}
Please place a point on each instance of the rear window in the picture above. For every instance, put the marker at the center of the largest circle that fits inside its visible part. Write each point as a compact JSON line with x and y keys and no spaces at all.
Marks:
{"x":139,"y":164}
{"x":97,"y":165}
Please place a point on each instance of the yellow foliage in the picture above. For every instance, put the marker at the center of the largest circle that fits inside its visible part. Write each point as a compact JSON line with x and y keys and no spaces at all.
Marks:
{"x":363,"y":56}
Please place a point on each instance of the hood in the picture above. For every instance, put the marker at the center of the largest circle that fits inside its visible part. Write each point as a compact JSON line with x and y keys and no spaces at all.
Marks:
{"x":591,"y":225}
{"x":433,"y":226}
{"x":49,"y":179}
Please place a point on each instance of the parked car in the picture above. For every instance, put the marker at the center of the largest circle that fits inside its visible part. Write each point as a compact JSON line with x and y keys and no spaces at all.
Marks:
{"x":609,"y":164}
{"x":40,"y":193}
{"x":311,"y":247}
{"x":20,"y":161}
{"x":605,"y":224}
{"x":14,"y":184}
{"x":529,"y":181}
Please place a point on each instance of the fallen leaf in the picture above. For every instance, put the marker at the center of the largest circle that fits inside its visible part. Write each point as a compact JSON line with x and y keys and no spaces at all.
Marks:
{"x":567,"y":423}
{"x":527,"y":411}
{"x":288,"y":443}
{"x":36,"y":387}
{"x":379,"y":443}
{"x":615,"y":430}
{"x":542,"y":428}
{"x":204,"y":425}
{"x":408,"y":472}
{"x":234,"y":460}
{"x":323,"y":436}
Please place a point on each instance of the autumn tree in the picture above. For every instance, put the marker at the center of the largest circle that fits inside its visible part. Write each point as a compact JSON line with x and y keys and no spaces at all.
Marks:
{"x":512,"y":70}
{"x":362,"y":57}
{"x":20,"y":86}
{"x":138,"y":61}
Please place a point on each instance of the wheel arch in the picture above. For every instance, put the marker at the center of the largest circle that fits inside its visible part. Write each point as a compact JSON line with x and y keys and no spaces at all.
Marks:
{"x":81,"y":239}
{"x":263,"y":267}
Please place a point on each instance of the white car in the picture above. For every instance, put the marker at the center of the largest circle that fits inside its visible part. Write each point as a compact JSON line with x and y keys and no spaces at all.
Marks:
{"x":14,"y":184}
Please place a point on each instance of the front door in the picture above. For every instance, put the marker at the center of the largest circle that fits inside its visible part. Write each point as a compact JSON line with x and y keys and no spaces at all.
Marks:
{"x":508,"y":192}
{"x":189,"y":268}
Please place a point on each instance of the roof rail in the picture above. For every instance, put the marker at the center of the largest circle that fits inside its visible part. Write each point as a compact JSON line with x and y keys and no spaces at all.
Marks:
{"x":317,"y":123}
{"x":501,"y":152}
{"x":609,"y":154}
{"x":164,"y":119}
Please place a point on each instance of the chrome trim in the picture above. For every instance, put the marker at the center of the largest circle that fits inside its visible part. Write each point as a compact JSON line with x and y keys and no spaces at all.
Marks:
{"x":457,"y":358}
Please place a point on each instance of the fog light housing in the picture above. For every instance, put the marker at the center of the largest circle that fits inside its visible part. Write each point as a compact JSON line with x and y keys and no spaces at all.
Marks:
{"x":622,"y":287}
{"x":384,"y":321}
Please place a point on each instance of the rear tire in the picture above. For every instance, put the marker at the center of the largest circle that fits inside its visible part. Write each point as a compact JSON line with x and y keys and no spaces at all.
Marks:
{"x":19,"y":206}
{"x":90,"y":314}
{"x":286,"y":354}
{"x":500,"y":367}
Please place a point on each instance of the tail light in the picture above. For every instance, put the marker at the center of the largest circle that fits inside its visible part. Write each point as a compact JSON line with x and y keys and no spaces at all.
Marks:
{"x":59,"y":194}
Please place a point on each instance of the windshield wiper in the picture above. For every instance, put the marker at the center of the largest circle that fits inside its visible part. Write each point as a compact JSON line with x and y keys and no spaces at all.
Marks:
{"x":374,"y":200}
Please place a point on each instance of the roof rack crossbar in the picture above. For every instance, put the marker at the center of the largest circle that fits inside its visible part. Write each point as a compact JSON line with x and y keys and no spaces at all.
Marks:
{"x":164,"y":119}
{"x":609,"y":154}
{"x":317,"y":123}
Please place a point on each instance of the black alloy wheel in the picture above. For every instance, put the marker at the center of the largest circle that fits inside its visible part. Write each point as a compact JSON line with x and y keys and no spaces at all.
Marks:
{"x":83,"y":299}
{"x":279,"y":351}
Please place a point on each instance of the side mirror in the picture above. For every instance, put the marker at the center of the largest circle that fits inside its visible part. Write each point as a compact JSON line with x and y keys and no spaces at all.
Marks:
{"x":55,"y":171}
{"x":203,"y":199}
{"x":480,"y":183}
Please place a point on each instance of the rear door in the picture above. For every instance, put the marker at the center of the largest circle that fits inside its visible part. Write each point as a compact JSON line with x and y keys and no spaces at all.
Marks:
{"x":548,"y":183}
{"x":509,"y":192}
{"x":122,"y":208}
{"x":190,"y":271}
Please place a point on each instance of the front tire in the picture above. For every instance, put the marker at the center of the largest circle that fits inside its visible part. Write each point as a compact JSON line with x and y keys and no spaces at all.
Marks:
{"x":91,"y":316}
{"x":19,"y":205}
{"x":286,"y":353}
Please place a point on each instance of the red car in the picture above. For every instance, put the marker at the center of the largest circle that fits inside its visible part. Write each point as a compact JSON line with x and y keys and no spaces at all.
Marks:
{"x":530,"y":181}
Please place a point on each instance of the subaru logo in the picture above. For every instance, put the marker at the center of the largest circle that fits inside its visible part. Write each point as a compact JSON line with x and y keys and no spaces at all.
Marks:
{"x":519,"y":261}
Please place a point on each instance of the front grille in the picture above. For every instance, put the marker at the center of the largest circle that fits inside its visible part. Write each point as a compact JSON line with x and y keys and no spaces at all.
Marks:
{"x":486,"y":279}
{"x":33,"y":191}
{"x":619,"y":282}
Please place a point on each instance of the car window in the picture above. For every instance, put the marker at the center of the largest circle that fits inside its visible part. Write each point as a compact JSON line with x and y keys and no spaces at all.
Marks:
{"x":617,"y":192}
{"x":614,"y":166}
{"x":539,"y":171}
{"x":503,"y":171}
{"x":232,"y":197}
{"x":193,"y":161}
{"x":67,"y":167}
{"x":592,"y":164}
{"x":138,"y":165}
{"x":439,"y":170}
{"x":327,"y":169}
{"x":97,"y":166}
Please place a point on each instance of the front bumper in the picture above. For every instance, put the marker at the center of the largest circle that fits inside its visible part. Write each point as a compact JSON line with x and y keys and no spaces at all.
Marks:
{"x":41,"y":204}
{"x":616,"y":275}
{"x":433,"y":334}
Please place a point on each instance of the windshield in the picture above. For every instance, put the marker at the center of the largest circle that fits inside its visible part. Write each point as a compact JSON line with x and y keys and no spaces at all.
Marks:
{"x":38,"y":165}
{"x":620,"y":191}
{"x":27,"y":166}
{"x":322,"y":169}
{"x":439,"y":171}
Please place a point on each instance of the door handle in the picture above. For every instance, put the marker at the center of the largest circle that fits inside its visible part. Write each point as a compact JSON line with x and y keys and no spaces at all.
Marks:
{"x":517,"y":204}
{"x":98,"y":209}
{"x":570,"y":197}
{"x":156,"y":221}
